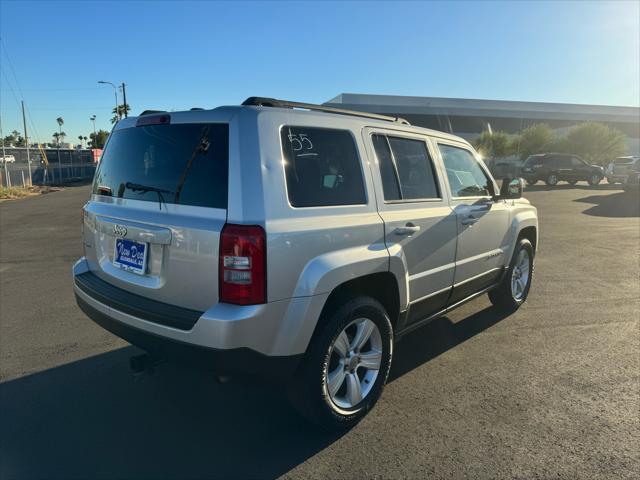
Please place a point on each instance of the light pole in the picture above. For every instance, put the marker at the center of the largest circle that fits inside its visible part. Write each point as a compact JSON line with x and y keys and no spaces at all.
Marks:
{"x":115,"y":93}
{"x":95,"y":136}
{"x":60,"y":121}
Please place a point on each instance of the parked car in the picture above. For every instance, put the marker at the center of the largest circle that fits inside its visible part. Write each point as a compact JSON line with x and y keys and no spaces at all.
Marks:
{"x":618,"y":170}
{"x":632,"y":180}
{"x":552,"y":168}
{"x":294,"y":241}
{"x":7,"y":159}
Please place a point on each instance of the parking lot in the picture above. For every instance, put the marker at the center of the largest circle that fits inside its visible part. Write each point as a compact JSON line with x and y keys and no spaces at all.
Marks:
{"x":552,"y":391}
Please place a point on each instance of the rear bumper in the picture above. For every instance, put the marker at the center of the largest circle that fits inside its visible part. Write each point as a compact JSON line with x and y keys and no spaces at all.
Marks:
{"x":224,"y":362}
{"x":265,"y":339}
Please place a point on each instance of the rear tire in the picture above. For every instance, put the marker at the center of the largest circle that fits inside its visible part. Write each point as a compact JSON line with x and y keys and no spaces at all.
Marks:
{"x":337,"y":383}
{"x":514,"y":288}
{"x":552,"y":180}
{"x":611,"y":182}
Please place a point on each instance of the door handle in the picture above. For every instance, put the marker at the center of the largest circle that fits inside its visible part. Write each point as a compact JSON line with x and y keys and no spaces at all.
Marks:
{"x":408,"y":229}
{"x":469,"y":220}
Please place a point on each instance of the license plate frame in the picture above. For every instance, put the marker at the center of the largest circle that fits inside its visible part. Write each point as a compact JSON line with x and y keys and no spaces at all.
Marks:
{"x":126,"y":255}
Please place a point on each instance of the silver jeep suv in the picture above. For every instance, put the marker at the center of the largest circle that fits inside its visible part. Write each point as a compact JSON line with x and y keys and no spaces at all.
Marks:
{"x":294,"y":241}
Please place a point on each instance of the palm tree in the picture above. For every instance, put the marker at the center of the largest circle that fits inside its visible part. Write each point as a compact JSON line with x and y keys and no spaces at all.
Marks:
{"x":117,"y":115}
{"x":80,"y":138}
{"x":56,"y":137}
{"x":62,"y":135}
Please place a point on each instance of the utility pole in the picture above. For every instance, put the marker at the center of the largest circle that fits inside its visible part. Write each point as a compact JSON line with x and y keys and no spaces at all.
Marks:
{"x":26,"y":141}
{"x":4,"y":159}
{"x":124,"y":99}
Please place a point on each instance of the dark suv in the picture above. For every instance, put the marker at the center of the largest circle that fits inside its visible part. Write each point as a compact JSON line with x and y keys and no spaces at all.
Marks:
{"x":554,"y":167}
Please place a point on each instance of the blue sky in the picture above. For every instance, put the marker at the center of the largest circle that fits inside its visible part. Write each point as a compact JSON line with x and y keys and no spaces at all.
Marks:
{"x":177,"y":55}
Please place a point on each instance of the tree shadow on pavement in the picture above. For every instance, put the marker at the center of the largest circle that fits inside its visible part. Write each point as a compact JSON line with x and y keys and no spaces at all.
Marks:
{"x":619,"y":205}
{"x":541,"y":187}
{"x":93,"y":419}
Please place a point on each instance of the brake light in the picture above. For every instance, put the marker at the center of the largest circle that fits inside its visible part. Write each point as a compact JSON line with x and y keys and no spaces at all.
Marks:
{"x":242,"y":265}
{"x":153,"y":120}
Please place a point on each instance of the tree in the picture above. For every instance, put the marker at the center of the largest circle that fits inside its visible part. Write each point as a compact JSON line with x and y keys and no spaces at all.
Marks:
{"x":80,"y":137}
{"x":493,"y":144}
{"x":14,"y":139}
{"x":56,"y":137}
{"x":120,"y":113}
{"x":99,"y":139}
{"x":538,"y":138}
{"x":595,"y":142}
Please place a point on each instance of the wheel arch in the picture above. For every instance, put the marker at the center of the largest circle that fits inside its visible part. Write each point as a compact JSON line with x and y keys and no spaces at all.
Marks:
{"x":531,"y":234}
{"x":381,"y":286}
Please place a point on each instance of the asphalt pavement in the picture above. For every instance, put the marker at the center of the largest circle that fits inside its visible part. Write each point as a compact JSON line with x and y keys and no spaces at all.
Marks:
{"x":552,"y":391}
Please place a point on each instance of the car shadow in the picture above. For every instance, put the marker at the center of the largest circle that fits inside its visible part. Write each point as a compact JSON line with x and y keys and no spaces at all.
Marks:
{"x":93,"y":419}
{"x":619,"y":205}
{"x":438,"y":336}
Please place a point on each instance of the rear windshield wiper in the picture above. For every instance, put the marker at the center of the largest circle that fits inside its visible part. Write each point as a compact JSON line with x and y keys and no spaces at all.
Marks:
{"x":138,"y":187}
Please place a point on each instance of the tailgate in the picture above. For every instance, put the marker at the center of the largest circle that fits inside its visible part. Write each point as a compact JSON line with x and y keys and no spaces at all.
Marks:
{"x":159,"y":203}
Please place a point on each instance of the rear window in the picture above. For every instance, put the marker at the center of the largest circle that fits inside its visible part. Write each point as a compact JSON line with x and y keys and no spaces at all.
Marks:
{"x":183,"y":164}
{"x":322,"y":167}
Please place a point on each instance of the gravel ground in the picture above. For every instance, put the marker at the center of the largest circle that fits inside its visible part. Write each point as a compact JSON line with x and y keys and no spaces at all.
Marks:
{"x":552,"y":391}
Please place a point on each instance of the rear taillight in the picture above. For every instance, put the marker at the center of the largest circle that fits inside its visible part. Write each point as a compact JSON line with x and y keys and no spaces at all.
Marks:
{"x":242,"y":265}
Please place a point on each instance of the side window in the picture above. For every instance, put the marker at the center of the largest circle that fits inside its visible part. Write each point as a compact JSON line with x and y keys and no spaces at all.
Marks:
{"x":576,"y":162}
{"x":466,"y":177}
{"x":322,"y":167}
{"x":406,"y":169}
{"x":388,"y":173}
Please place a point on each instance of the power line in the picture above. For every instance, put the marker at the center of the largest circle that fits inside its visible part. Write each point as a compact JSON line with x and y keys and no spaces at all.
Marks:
{"x":13,"y":72}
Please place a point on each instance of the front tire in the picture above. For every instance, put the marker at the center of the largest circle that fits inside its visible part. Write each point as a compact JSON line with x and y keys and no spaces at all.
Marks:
{"x":346,"y":365}
{"x":514,"y":288}
{"x":594,"y":180}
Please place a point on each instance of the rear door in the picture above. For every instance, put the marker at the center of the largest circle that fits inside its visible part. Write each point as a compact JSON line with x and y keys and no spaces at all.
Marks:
{"x":420,"y":225}
{"x":483,"y":222}
{"x":158,"y":204}
{"x":580,"y":169}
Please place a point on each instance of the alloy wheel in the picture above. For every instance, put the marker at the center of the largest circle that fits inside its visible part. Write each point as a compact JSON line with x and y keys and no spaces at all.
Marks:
{"x":354,"y":361}
{"x":520,"y":275}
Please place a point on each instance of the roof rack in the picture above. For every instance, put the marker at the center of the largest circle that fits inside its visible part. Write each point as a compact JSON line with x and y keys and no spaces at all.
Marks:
{"x":272,"y":102}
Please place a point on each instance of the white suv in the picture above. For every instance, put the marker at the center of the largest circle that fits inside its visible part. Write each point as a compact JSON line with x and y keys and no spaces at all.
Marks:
{"x":295,"y":241}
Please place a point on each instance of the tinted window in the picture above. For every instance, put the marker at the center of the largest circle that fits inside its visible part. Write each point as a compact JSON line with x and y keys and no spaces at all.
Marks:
{"x":322,"y":167}
{"x":390,"y":186}
{"x":576,"y":162}
{"x":406,"y":168}
{"x":187,"y":163}
{"x":533,"y":161}
{"x":466,"y":177}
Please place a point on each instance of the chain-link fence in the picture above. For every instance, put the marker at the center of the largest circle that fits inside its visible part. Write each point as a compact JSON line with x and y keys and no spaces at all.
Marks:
{"x":47,"y":167}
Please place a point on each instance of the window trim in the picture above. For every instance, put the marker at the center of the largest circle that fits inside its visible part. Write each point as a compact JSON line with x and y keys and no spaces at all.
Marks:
{"x":358,"y":156}
{"x":481,"y":164}
{"x":409,"y":136}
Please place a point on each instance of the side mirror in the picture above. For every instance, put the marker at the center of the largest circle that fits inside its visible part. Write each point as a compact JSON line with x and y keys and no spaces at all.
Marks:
{"x":511,"y":188}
